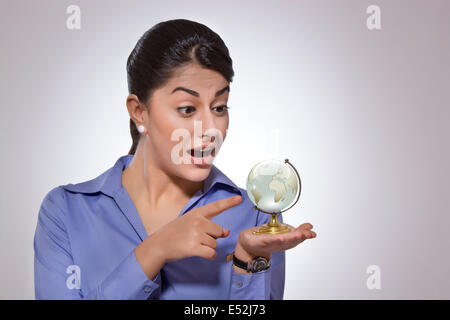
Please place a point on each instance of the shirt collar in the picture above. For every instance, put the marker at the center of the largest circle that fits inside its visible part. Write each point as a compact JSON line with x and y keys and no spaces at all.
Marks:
{"x":110,"y":181}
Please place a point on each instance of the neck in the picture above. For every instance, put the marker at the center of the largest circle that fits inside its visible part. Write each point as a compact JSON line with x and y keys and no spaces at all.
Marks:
{"x":150,"y":183}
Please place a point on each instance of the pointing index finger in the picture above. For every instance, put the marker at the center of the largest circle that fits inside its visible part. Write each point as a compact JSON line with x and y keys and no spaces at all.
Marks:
{"x":212,"y":209}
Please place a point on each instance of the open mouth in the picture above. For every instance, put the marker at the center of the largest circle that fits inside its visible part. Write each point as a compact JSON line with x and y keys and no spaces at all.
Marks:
{"x":202,"y":153}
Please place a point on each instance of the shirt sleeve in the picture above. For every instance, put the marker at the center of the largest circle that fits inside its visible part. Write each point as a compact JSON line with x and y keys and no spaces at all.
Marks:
{"x":264,"y":285}
{"x":56,"y":276}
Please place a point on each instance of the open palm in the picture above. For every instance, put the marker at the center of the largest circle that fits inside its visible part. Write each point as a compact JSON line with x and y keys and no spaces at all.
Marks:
{"x":265,"y":244}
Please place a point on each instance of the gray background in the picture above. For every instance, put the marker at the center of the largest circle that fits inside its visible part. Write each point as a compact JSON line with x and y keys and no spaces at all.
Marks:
{"x":363,"y":115}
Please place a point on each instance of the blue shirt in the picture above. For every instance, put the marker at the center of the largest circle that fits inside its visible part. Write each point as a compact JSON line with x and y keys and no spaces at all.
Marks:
{"x":86,"y":234}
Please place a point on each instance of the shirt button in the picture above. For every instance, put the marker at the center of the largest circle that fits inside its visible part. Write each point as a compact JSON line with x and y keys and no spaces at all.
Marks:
{"x":239,"y":284}
{"x":147,"y":289}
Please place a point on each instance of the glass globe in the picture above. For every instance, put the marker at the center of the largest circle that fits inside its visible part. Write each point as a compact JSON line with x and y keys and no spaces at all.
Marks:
{"x":273,"y":186}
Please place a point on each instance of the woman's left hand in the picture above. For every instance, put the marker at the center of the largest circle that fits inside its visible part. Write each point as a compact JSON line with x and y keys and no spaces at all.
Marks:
{"x":250,"y":245}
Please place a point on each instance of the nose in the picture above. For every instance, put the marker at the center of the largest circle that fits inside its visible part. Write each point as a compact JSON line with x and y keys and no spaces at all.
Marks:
{"x":206,"y":127}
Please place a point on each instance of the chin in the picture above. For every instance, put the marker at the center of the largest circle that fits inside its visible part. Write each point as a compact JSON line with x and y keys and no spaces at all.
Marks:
{"x":196,"y":173}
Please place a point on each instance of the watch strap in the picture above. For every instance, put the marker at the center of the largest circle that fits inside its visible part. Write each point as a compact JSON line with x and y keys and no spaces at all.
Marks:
{"x":239,"y":263}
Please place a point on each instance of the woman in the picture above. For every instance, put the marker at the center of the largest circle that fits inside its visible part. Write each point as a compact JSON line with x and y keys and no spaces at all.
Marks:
{"x":161,"y":223}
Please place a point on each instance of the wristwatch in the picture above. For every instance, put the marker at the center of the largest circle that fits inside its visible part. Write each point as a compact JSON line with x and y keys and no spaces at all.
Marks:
{"x":256,"y":265}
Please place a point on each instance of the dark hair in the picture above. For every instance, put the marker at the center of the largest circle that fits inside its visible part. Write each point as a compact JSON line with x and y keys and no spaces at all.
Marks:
{"x":169,"y":45}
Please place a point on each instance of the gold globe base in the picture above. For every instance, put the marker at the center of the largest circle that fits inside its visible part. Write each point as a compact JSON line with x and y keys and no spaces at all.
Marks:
{"x":274,"y":226}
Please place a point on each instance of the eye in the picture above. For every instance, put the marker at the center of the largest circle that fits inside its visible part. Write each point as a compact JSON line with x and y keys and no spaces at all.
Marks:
{"x":187,"y":110}
{"x":222,"y":109}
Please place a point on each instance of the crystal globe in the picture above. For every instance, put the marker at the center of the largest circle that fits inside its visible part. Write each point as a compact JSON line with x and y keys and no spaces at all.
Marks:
{"x":273,"y":185}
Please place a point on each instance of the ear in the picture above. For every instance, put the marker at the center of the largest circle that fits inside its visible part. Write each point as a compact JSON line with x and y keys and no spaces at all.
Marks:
{"x":136,"y":109}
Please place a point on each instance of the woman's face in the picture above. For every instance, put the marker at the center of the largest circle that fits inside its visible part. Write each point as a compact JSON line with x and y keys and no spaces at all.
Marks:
{"x":190,"y":111}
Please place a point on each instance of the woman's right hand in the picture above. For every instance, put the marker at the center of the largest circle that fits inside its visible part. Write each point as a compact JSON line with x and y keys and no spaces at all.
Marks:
{"x":192,"y":234}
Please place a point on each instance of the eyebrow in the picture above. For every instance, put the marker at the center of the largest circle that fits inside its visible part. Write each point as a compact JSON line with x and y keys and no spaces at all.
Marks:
{"x":195,"y":93}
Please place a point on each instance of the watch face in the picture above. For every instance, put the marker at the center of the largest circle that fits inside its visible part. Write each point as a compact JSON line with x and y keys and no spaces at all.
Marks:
{"x":260,"y":265}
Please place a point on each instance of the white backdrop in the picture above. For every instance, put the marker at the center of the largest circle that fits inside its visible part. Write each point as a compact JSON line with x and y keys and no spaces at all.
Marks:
{"x":362,"y":114}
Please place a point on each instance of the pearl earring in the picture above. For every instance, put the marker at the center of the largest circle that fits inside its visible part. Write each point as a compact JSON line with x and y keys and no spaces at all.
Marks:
{"x":141,"y":128}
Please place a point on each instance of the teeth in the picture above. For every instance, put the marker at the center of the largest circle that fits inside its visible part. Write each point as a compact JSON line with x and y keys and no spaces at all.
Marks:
{"x":199,"y":154}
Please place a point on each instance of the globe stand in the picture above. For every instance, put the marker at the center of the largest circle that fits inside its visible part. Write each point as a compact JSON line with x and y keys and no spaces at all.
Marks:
{"x":274,"y":226}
